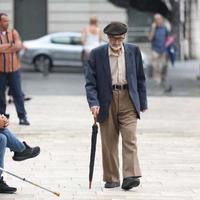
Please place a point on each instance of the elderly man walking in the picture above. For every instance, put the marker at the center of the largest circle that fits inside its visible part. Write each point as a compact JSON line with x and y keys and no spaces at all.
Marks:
{"x":116,"y":93}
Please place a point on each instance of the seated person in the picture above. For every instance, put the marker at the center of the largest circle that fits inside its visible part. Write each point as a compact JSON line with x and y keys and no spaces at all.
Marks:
{"x":21,"y":151}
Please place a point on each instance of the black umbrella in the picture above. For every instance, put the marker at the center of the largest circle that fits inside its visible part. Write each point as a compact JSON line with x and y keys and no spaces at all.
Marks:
{"x":158,"y":6}
{"x":93,"y":151}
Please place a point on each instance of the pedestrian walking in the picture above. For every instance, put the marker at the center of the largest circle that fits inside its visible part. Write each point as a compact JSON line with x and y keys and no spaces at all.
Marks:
{"x":10,"y":44}
{"x":21,"y":151}
{"x":116,"y":94}
{"x":91,"y":37}
{"x":158,"y":36}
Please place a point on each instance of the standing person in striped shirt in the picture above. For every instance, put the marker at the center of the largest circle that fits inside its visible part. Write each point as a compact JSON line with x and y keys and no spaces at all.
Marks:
{"x":10,"y":44}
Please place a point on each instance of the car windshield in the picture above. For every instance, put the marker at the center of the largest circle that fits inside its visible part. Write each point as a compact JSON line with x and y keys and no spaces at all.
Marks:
{"x":66,"y":40}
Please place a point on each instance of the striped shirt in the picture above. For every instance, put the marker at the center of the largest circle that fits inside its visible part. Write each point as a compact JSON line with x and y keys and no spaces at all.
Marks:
{"x":10,"y":44}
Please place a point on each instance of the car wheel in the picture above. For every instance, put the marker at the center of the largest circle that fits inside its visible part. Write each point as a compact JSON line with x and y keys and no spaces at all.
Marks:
{"x":42,"y":63}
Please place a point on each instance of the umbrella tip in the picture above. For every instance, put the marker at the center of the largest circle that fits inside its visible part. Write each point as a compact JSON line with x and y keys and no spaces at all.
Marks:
{"x":90,"y":184}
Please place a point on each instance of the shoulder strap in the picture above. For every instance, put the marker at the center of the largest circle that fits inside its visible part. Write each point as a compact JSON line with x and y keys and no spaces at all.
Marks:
{"x":1,"y":39}
{"x":13,"y":39}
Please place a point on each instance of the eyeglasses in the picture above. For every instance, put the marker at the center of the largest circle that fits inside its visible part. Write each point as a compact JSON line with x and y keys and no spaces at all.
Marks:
{"x":113,"y":38}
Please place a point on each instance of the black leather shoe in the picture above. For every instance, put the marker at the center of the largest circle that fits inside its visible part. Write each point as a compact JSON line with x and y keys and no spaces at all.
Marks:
{"x":27,"y":98}
{"x":4,"y":188}
{"x":28,"y":152}
{"x":130,"y":182}
{"x":110,"y":184}
{"x":24,"y":121}
{"x":168,"y":90}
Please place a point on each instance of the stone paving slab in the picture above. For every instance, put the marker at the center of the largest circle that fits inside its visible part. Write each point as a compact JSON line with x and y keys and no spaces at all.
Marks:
{"x":63,"y":166}
{"x":70,"y":115}
{"x":169,"y":153}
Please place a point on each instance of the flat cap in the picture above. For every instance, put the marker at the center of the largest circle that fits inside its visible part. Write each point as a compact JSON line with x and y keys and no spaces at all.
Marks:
{"x":115,"y":28}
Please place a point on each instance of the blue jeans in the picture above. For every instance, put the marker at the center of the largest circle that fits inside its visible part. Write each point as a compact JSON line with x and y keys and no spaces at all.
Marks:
{"x":12,"y":79}
{"x":7,"y":139}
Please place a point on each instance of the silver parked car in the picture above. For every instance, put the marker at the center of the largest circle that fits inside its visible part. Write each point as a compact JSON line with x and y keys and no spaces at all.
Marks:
{"x":56,"y":49}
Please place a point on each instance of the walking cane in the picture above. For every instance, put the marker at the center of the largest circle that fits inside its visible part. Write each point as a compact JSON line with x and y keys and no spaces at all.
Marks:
{"x":23,"y":179}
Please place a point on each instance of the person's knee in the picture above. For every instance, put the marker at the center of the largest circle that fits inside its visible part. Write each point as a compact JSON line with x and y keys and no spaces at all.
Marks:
{"x":3,"y":140}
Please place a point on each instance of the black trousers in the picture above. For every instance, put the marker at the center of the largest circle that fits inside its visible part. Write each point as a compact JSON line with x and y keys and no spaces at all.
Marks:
{"x":12,"y":79}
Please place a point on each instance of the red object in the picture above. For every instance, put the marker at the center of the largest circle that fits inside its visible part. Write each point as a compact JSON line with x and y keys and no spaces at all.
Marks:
{"x":169,"y":40}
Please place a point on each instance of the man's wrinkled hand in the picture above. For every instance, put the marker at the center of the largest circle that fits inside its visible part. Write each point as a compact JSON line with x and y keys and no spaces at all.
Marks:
{"x":95,"y":111}
{"x":1,"y":122}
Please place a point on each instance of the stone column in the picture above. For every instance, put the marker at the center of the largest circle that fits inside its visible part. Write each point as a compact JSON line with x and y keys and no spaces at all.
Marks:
{"x":195,"y":29}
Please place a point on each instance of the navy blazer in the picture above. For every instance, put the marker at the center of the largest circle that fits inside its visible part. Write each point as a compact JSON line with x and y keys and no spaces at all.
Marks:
{"x":99,"y":83}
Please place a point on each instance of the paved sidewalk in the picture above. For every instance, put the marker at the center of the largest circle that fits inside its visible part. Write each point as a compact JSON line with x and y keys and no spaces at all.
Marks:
{"x":183,"y":78}
{"x":169,"y":149}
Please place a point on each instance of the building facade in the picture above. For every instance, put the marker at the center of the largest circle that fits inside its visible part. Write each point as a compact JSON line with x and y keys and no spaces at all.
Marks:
{"x":192,"y":28}
{"x":34,"y":18}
